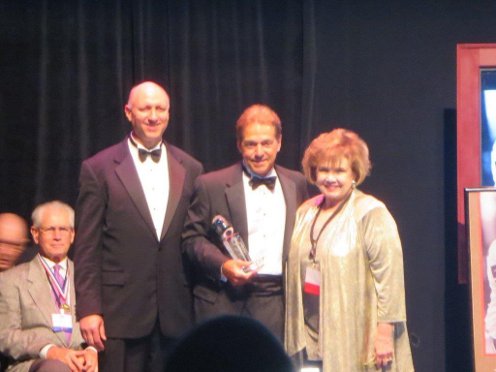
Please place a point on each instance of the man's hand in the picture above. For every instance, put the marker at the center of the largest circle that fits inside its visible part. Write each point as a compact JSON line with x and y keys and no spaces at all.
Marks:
{"x":233,"y":271}
{"x":93,"y":331}
{"x":90,"y":360}
{"x":74,"y":359}
{"x":383,"y":344}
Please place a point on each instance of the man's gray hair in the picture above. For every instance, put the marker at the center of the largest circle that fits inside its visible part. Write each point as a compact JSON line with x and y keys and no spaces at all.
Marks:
{"x":37,"y":214}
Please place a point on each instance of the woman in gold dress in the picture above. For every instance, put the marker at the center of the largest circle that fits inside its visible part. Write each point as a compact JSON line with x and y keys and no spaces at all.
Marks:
{"x":345,"y":297}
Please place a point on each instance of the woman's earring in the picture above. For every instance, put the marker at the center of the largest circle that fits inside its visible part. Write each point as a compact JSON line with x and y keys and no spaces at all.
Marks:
{"x":353,"y":184}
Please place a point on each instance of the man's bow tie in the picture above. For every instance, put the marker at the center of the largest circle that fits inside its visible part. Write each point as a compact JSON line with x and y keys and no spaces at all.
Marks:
{"x":154,"y":154}
{"x":270,"y":182}
{"x":143,"y":153}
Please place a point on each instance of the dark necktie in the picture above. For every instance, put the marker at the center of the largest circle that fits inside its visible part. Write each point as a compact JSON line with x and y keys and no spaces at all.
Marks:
{"x":154,"y":154}
{"x":270,"y":182}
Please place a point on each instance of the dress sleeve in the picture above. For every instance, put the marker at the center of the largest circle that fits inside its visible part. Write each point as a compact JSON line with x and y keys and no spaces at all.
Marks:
{"x":384,"y":252}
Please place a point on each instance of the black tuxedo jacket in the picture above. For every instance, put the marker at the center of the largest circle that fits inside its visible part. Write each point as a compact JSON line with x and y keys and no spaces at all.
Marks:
{"x":221,"y":192}
{"x":122,"y":271}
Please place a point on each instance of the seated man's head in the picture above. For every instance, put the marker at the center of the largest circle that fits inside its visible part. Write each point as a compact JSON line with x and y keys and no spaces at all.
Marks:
{"x":53,"y":229}
{"x":13,"y":239}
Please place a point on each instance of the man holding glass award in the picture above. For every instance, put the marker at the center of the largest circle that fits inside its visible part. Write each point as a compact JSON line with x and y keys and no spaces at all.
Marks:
{"x":239,"y":225}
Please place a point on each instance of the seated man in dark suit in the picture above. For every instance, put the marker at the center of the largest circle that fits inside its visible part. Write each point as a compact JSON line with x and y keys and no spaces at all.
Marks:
{"x":38,"y":329}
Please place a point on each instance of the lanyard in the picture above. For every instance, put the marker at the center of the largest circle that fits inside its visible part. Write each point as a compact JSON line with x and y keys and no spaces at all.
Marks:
{"x":62,"y":295}
{"x":314,"y":241}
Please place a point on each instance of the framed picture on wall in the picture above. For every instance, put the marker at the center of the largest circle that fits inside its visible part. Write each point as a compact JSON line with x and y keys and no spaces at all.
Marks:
{"x":480,"y":210}
{"x":476,"y":130}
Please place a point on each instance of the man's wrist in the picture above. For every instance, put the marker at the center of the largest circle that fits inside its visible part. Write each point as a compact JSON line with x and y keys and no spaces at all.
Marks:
{"x":44,"y":351}
{"x":92,"y":348}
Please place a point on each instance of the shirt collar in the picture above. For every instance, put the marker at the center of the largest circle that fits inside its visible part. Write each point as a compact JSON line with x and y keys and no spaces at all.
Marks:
{"x":135,"y":143}
{"x":51,"y":264}
{"x":250,"y":174}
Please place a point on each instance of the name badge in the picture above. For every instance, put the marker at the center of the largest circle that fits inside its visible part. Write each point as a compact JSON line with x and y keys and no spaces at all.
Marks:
{"x":312,"y":281}
{"x":62,"y":322}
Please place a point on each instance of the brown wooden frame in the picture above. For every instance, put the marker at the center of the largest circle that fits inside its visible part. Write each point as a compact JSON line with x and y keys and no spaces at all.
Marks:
{"x":471,"y":58}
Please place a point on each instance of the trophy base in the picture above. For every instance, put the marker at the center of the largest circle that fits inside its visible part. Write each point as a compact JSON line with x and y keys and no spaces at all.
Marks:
{"x":254,"y":266}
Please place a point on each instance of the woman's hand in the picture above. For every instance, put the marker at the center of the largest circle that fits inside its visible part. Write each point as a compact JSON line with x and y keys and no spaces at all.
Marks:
{"x":383,"y":344}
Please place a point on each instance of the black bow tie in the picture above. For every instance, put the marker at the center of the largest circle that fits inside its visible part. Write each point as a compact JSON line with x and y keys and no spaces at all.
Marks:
{"x":270,"y":182}
{"x":143,"y":153}
{"x":154,"y":154}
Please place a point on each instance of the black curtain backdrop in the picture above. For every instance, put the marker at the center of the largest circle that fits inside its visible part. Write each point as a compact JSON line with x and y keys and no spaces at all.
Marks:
{"x":386,"y":69}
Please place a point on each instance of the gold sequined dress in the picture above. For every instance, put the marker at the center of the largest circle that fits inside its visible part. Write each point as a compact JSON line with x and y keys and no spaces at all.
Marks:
{"x":361,"y":263}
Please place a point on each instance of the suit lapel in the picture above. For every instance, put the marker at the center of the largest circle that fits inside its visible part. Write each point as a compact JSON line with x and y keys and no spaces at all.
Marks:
{"x":236,"y":203}
{"x":235,"y":196}
{"x":127,"y":173}
{"x":289,"y":191}
{"x":177,"y":175}
{"x":41,"y":293}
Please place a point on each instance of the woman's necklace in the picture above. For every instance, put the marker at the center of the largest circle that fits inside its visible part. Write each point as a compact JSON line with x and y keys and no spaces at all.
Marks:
{"x":314,"y":241}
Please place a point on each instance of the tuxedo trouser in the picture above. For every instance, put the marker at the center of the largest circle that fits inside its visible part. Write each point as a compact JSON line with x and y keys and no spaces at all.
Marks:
{"x":261,"y":300}
{"x":265,"y":303}
{"x":145,"y":354}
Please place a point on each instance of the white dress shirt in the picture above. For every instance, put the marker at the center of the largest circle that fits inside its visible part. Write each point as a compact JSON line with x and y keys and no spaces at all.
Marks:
{"x":154,"y":179}
{"x":266,"y":216}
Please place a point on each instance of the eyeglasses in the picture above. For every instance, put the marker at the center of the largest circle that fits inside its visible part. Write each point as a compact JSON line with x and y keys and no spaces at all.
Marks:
{"x":51,"y":230}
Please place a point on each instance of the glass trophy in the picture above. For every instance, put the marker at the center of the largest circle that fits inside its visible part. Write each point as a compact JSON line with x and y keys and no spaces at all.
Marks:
{"x":233,"y":243}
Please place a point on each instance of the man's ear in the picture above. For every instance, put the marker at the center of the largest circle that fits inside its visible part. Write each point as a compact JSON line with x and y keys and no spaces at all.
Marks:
{"x":127,"y":111}
{"x":35,"y":234}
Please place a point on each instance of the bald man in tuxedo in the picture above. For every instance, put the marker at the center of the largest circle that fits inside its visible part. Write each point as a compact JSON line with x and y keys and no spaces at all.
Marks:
{"x":134,"y":299}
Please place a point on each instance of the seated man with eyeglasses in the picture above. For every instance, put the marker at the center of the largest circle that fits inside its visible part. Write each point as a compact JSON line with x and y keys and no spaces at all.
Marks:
{"x":38,"y":328}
